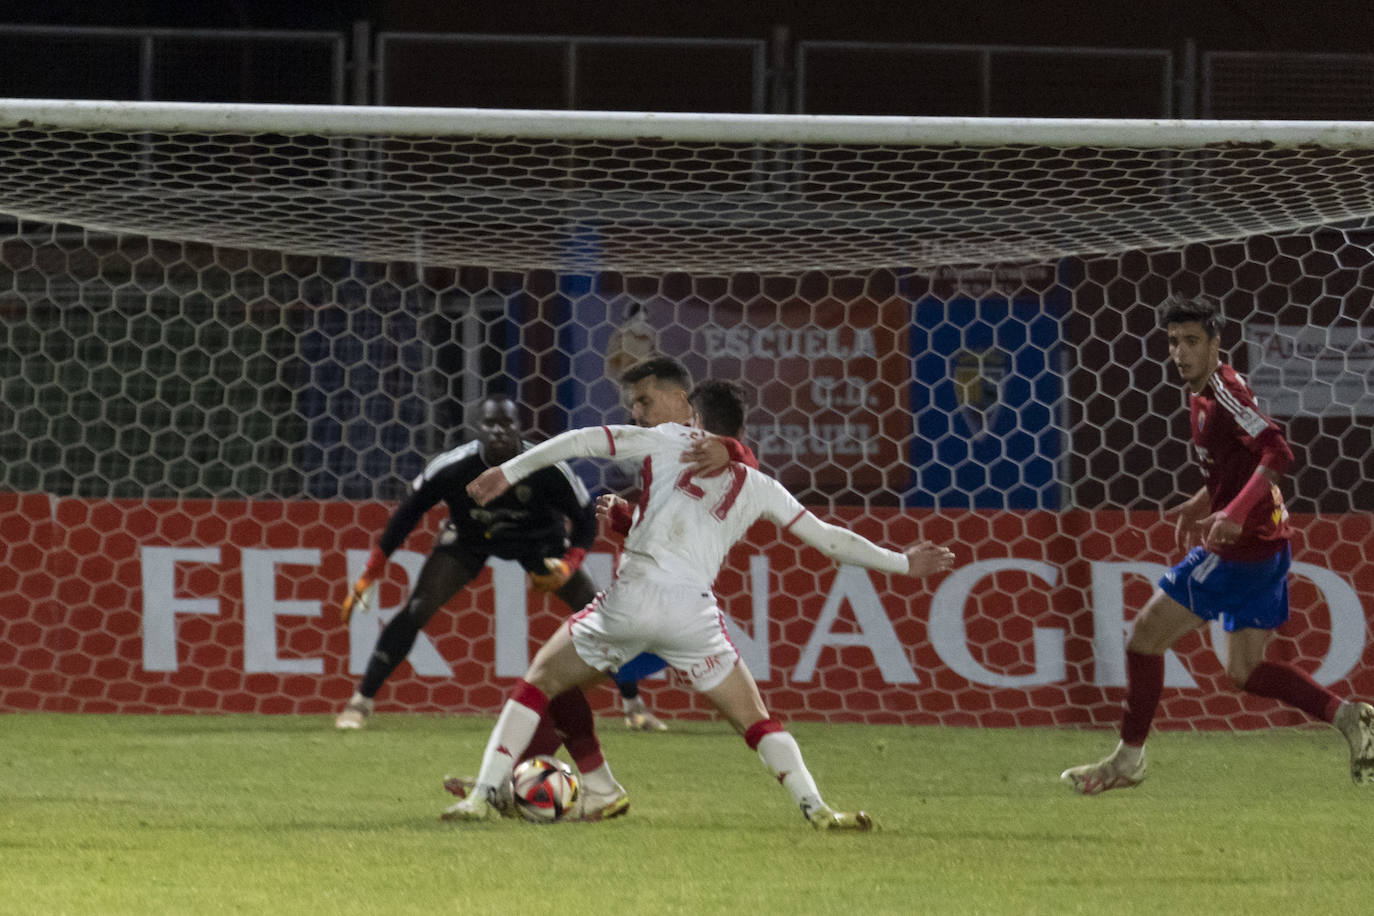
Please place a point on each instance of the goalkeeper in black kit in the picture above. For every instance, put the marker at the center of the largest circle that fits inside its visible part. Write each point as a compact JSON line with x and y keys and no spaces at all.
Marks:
{"x":546,"y":525}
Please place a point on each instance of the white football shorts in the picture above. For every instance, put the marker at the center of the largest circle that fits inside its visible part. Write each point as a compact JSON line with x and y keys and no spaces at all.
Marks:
{"x":679,"y":623}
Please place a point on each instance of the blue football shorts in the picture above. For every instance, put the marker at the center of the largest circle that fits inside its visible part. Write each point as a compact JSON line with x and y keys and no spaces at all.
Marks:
{"x":636,"y":669}
{"x":1242,"y":595}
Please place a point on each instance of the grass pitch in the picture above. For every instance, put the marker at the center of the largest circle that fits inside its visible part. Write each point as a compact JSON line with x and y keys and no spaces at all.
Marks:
{"x":263,"y":814}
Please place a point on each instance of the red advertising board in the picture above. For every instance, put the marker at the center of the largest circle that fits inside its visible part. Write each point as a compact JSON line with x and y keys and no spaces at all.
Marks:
{"x":144,"y":606}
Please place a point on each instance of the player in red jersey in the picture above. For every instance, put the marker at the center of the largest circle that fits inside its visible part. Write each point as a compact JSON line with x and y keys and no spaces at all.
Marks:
{"x":1236,"y":569}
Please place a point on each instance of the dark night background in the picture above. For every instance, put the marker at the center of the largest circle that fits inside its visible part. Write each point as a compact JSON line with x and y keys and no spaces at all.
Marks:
{"x":1258,"y":26}
{"x":1181,"y":28}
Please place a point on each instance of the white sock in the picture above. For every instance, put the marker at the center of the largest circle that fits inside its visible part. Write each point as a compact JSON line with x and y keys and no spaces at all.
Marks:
{"x":600,"y":781}
{"x":780,"y":753}
{"x":514,"y":729}
{"x":1127,"y":755}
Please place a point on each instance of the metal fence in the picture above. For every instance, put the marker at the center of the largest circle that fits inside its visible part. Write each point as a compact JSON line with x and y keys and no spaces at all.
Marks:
{"x":561,"y":71}
{"x":1250,"y":84}
{"x":362,"y":66}
{"x":849,"y":77}
{"x":173,"y":65}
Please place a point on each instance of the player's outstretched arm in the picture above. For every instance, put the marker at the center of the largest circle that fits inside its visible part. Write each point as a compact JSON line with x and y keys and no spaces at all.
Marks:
{"x":359,"y":594}
{"x":591,"y":442}
{"x":488,"y":485}
{"x":927,"y":558}
{"x":845,"y":546}
{"x":429,"y":489}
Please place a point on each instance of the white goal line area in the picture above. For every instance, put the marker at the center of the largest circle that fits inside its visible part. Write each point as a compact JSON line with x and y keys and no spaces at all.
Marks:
{"x":345,"y":120}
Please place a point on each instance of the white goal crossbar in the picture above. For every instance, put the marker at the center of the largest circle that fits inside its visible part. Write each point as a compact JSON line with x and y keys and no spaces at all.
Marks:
{"x":346,"y":120}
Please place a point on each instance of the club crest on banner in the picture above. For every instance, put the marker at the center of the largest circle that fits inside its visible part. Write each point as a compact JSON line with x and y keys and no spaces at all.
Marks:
{"x":979,"y":377}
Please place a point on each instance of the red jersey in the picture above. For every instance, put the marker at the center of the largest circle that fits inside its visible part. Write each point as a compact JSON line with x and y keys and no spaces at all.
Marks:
{"x":1230,"y":439}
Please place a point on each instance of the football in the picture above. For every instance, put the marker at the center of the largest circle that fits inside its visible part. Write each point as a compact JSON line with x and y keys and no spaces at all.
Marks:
{"x":545,"y":789}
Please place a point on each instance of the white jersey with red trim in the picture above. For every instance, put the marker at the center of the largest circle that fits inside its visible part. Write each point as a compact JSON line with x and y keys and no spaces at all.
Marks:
{"x":687,"y":524}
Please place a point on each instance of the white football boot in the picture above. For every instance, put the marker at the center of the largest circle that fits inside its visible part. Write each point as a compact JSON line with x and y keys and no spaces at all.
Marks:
{"x":827,"y":818}
{"x":638,"y":718}
{"x":1108,"y":773}
{"x":1356,"y":721}
{"x":503,"y":799}
{"x":592,"y":806}
{"x":476,"y":806}
{"x":356,"y":713}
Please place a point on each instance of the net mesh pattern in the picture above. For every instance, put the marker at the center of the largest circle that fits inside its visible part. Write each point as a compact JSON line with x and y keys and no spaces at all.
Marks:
{"x":645,"y":206}
{"x":225,"y":357}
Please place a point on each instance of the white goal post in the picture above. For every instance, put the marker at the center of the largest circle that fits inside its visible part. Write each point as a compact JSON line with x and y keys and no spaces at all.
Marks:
{"x":230,"y":335}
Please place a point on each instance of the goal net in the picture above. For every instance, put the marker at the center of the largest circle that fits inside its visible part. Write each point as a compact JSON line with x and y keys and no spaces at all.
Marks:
{"x":232,"y":335}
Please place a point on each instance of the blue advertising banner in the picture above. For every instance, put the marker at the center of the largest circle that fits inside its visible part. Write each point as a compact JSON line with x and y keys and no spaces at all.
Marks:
{"x":987,"y":395}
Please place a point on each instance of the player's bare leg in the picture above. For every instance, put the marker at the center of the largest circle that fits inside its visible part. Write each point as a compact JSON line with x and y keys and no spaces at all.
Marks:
{"x":1162,"y":623}
{"x":568,"y":723}
{"x":1244,"y":653}
{"x":600,"y":797}
{"x":441,"y":577}
{"x":1248,"y":670}
{"x":737,"y":697}
{"x":557,"y":663}
{"x":556,"y":668}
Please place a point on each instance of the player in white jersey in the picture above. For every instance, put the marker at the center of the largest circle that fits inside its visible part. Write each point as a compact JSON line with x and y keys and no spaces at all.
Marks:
{"x":661,"y":600}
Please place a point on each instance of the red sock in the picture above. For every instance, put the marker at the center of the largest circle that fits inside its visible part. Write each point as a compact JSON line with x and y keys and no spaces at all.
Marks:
{"x":756,"y":732}
{"x":1144,"y":684}
{"x":545,"y":741}
{"x":574,"y":724}
{"x":530,"y":696}
{"x":1294,"y":687}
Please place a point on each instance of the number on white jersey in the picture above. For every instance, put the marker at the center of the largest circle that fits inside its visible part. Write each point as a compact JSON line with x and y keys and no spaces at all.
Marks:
{"x":722,"y":508}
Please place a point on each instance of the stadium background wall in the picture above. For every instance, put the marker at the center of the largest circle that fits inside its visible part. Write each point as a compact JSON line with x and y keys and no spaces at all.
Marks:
{"x":121,"y":606}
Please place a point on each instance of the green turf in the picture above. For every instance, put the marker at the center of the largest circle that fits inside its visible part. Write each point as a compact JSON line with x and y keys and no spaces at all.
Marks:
{"x":236,"y":814}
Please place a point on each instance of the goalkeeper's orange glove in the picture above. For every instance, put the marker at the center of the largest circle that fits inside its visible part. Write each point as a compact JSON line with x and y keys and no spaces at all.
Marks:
{"x":559,"y":571}
{"x":358,"y":597}
{"x":554,"y":579}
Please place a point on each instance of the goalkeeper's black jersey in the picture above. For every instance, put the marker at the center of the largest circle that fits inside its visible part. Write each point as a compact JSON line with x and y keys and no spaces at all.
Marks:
{"x":541,"y":516}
